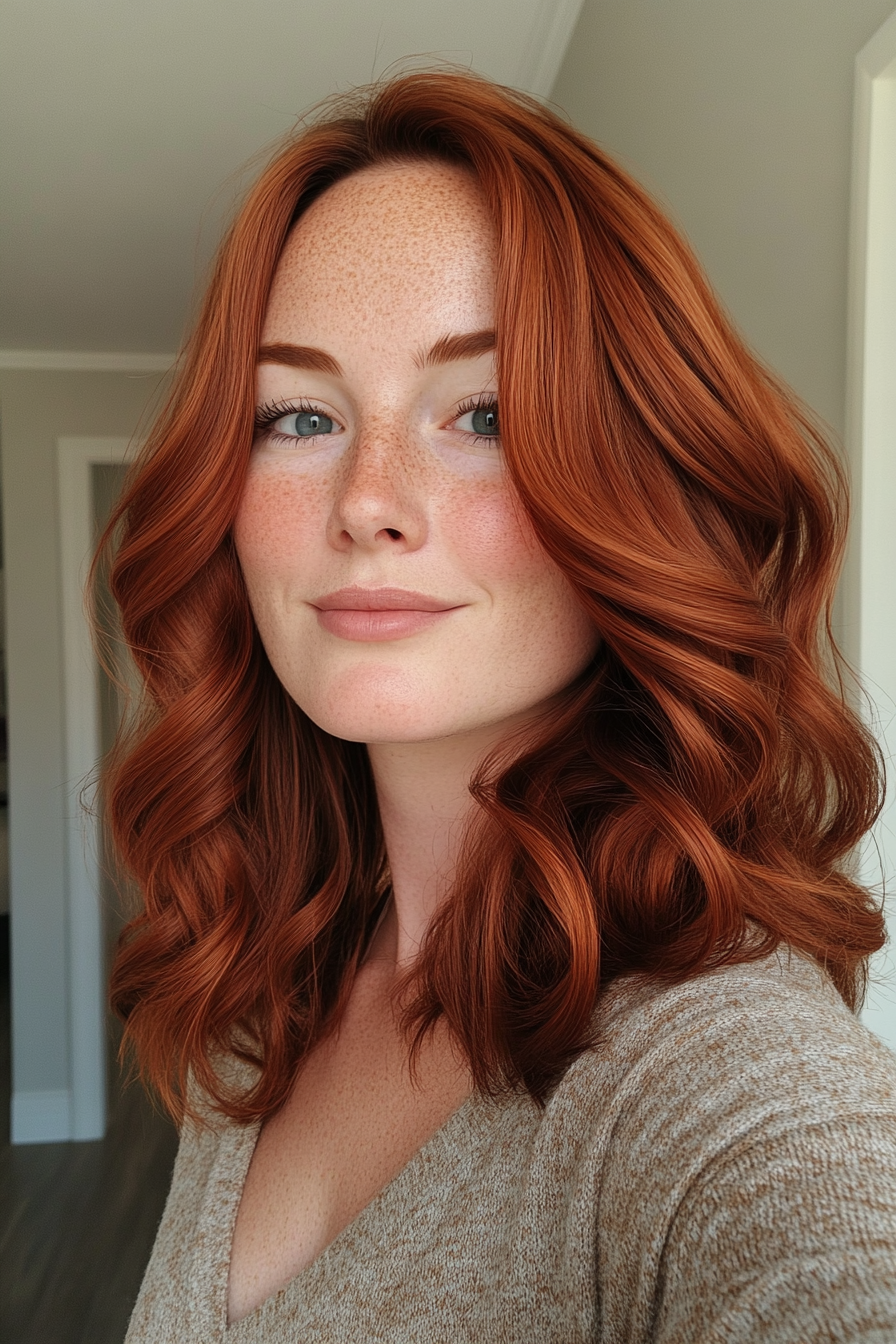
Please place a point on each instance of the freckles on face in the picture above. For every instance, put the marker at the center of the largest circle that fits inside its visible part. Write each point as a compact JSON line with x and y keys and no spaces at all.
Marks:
{"x":377,"y":471}
{"x":275,"y":514}
{"x":387,"y":247}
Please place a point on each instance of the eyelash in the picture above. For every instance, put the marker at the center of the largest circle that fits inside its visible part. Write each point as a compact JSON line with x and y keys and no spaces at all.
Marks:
{"x":272,"y":411}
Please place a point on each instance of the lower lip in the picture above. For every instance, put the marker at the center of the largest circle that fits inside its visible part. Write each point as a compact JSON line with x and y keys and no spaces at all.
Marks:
{"x":371,"y":626}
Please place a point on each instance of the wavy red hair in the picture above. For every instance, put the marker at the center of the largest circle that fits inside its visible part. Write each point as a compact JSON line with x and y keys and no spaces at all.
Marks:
{"x":701,"y":779}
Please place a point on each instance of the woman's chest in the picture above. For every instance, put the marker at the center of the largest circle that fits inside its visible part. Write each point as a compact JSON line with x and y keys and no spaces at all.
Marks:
{"x":353,"y":1121}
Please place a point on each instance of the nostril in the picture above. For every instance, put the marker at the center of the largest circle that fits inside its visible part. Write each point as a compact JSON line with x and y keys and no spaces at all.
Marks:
{"x":393,"y":533}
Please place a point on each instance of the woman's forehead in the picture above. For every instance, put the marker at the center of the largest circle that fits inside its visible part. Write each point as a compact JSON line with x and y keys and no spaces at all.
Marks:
{"x":389,"y":245}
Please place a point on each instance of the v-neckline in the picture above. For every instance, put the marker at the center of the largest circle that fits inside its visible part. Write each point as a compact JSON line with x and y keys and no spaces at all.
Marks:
{"x":228,"y":1177}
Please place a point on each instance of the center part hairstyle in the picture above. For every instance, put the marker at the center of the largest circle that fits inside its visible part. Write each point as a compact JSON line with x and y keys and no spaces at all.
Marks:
{"x":692,"y":800}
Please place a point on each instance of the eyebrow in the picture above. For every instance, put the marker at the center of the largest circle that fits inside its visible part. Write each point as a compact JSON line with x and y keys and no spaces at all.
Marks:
{"x":464,"y":345}
{"x":300,"y":357}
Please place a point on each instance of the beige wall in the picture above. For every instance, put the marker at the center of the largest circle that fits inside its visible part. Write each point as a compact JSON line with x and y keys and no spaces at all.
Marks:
{"x":737,"y":115}
{"x":36,"y":409}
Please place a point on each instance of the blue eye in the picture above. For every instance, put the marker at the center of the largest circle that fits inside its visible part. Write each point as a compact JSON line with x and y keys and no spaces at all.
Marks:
{"x":280,"y":422}
{"x":479,"y":418}
{"x":485,"y":420}
{"x":305,"y":424}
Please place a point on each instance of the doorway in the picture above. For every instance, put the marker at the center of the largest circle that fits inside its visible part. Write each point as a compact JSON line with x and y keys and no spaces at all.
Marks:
{"x":871,"y":441}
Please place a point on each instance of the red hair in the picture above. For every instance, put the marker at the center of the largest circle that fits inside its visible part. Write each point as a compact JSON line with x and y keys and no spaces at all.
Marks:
{"x":701,"y":778}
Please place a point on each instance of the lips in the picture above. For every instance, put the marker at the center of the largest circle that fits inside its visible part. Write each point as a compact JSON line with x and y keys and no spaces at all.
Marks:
{"x":380,"y":599}
{"x":377,"y":614}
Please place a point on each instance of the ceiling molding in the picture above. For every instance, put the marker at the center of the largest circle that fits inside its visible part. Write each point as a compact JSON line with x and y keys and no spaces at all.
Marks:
{"x":85,"y":361}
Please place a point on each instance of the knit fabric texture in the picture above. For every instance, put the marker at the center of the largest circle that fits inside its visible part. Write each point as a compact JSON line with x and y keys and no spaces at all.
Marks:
{"x":720,"y":1170}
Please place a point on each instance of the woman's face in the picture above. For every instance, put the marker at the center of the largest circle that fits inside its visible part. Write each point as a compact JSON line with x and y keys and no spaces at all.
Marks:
{"x":396,"y":583}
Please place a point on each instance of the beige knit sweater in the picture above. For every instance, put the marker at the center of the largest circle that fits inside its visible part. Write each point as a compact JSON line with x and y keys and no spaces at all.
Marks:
{"x":721,"y":1171}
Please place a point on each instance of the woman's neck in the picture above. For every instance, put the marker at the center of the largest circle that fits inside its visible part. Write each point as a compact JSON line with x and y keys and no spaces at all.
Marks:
{"x":424,"y":801}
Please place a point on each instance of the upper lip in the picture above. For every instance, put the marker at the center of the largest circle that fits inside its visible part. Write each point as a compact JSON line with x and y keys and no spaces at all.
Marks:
{"x":380,"y":599}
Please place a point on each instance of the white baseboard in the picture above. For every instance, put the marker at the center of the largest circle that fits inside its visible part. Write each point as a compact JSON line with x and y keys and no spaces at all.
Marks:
{"x":42,"y":1117}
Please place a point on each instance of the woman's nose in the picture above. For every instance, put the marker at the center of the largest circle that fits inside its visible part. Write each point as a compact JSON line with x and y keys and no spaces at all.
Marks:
{"x":380,"y":496}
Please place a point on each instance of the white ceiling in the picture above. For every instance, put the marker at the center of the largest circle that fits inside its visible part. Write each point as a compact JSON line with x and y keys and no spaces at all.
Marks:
{"x":125,"y":126}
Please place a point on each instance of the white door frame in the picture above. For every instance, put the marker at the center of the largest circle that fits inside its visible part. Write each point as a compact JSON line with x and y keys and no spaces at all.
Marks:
{"x":83,"y":748}
{"x":871,"y":444}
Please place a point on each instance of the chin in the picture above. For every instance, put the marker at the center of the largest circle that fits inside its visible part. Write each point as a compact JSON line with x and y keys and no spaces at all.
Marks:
{"x":379,"y":705}
{"x":401,"y":724}
{"x":380,"y":718}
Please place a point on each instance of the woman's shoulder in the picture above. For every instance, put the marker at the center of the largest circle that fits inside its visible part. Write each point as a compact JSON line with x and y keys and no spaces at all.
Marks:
{"x":753,"y":1118}
{"x":209,"y":1140}
{"x":742,"y":1054}
{"x":212,"y":1159}
{"x":773,"y":1032}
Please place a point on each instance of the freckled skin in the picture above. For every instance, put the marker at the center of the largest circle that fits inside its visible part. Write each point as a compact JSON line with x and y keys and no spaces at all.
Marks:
{"x":382,"y":266}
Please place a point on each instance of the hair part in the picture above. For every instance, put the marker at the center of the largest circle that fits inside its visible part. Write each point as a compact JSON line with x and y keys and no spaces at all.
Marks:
{"x":702,"y":780}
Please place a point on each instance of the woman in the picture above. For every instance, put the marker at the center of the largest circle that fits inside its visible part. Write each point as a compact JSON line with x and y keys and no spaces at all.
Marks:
{"x":490,"y":804}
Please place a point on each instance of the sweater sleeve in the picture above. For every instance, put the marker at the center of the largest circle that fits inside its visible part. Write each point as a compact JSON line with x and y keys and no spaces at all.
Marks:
{"x":791,"y":1240}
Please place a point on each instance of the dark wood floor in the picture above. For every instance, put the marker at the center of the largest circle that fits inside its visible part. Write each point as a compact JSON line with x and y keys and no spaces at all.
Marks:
{"x":78,"y":1219}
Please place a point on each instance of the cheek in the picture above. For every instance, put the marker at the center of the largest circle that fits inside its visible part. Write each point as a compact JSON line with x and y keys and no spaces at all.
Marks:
{"x":275,"y":522}
{"x":490,"y":531}
{"x":542,"y":621}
